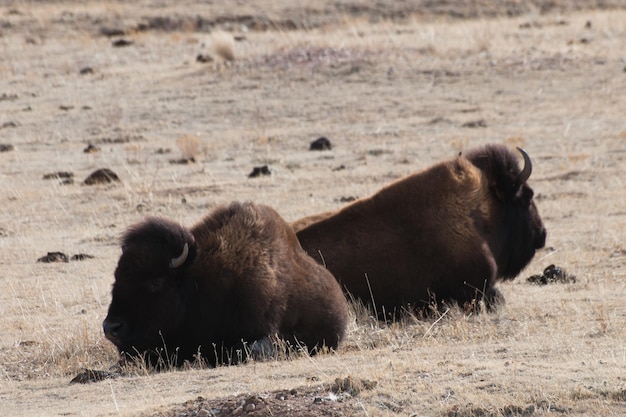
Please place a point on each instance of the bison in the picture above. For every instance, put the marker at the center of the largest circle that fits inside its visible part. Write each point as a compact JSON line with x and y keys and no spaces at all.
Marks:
{"x":443,"y":235}
{"x":227,"y":287}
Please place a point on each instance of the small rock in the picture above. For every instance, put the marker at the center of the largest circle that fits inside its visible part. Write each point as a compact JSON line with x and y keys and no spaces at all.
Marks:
{"x":86,"y":71}
{"x":8,"y":97}
{"x":320,"y":144}
{"x":91,"y":149}
{"x":90,"y":375}
{"x":58,"y":175}
{"x":6,"y":147}
{"x":9,"y":124}
{"x":552,"y":274}
{"x":53,"y":257}
{"x":110,"y":32}
{"x":121,"y":43}
{"x":204,"y":58}
{"x":81,"y":257}
{"x":183,"y":161}
{"x":377,"y":152}
{"x":439,"y":119}
{"x":258,"y":171}
{"x":475,"y":123}
{"x":101,"y":176}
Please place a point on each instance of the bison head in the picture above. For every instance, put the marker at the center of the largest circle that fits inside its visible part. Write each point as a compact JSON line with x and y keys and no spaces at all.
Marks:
{"x":148,"y":298}
{"x":517,"y":230}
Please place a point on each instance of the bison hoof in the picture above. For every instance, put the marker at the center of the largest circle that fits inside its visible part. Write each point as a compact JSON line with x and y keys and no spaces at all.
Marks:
{"x":262,"y":349}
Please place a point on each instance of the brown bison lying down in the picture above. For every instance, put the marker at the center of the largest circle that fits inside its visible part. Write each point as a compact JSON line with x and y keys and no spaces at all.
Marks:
{"x":220,"y":290}
{"x":442,"y":235}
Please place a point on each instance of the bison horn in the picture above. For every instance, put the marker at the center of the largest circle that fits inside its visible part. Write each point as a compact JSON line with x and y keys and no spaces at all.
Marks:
{"x":528,"y":167}
{"x":177,"y":262}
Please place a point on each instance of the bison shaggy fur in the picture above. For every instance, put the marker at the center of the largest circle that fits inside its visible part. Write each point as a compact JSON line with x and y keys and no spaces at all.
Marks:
{"x":226,"y":287}
{"x":443,"y":235}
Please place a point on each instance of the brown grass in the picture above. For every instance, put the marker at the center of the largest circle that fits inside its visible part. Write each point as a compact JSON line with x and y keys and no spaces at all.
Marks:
{"x":224,"y":46}
{"x":393,"y":97}
{"x":189,"y":146}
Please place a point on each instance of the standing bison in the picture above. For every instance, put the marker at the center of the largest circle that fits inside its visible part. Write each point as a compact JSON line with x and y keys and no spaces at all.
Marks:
{"x":230,"y":285}
{"x":445,"y":234}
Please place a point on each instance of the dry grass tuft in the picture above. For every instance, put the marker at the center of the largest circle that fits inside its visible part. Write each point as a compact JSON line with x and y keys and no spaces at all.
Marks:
{"x":58,"y":355}
{"x":189,"y":146}
{"x":224,"y":45}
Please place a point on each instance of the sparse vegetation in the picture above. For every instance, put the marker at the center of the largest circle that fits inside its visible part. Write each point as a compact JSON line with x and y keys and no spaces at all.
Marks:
{"x":189,"y":146}
{"x":392,"y":92}
{"x":224,"y":46}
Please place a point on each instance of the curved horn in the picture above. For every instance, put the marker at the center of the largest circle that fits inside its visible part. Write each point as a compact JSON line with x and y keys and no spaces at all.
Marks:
{"x":177,"y":262}
{"x":528,"y":167}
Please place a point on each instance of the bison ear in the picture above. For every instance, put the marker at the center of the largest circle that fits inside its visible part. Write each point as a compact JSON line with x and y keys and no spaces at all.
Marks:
{"x":179,"y":260}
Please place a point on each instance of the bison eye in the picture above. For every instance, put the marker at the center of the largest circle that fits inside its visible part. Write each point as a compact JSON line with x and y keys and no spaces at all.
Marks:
{"x":526,"y":194}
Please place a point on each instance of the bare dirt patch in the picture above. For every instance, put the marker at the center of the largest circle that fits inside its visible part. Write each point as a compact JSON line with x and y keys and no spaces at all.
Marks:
{"x":395,"y":87}
{"x":338,"y":398}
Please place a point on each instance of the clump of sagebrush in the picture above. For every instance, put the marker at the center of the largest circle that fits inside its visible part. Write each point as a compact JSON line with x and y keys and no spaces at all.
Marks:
{"x":224,"y":46}
{"x":189,"y":146}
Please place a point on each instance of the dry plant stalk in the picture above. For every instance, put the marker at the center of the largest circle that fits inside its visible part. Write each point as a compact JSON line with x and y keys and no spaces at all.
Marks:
{"x":189,"y":146}
{"x":224,"y":46}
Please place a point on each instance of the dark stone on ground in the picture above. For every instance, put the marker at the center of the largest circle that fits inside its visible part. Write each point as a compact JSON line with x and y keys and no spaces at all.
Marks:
{"x":258,"y":171}
{"x":320,"y":144}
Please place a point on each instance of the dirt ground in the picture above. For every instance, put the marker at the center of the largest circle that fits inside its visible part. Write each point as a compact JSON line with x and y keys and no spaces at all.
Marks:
{"x":182,"y":100}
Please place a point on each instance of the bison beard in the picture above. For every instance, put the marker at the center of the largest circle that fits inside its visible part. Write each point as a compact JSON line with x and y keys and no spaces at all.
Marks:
{"x":232,"y":286}
{"x":440,"y":236}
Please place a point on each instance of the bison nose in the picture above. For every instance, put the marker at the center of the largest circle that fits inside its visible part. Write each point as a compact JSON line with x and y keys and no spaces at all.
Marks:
{"x":540,"y":239}
{"x":113,"y":329}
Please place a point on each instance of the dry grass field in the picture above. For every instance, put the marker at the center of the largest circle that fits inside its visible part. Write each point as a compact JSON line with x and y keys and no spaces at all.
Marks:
{"x":183,"y":99}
